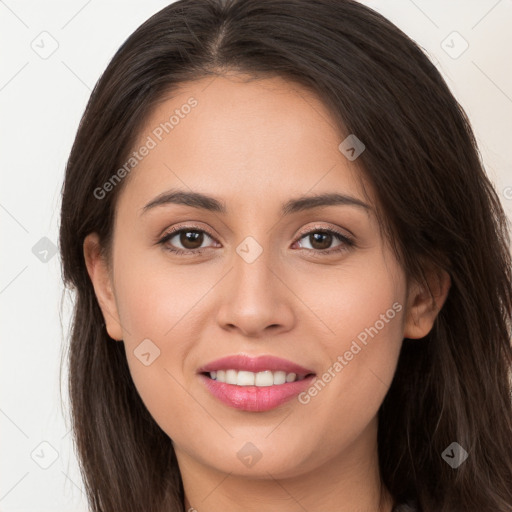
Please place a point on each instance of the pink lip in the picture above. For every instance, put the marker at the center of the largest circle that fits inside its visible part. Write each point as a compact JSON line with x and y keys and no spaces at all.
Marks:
{"x":255,"y":398}
{"x":254,"y":364}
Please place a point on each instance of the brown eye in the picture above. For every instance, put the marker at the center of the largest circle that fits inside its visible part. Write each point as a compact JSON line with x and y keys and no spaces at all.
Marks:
{"x":320,"y":240}
{"x":191,"y":239}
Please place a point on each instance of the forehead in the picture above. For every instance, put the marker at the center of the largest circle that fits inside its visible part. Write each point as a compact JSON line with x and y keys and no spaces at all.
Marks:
{"x":247,"y":140}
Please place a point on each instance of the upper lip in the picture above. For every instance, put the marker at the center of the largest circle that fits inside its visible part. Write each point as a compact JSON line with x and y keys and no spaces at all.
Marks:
{"x":254,"y":364}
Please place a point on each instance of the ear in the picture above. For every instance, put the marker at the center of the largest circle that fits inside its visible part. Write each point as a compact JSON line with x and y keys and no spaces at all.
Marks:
{"x":424,"y":303}
{"x":98,"y":270}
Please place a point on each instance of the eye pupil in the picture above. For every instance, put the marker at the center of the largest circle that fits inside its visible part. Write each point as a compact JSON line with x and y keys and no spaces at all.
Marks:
{"x":326,"y":241}
{"x":185,"y":239}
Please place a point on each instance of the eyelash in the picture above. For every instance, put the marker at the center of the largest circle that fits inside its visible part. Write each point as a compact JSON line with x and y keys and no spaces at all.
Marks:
{"x":347,"y":242}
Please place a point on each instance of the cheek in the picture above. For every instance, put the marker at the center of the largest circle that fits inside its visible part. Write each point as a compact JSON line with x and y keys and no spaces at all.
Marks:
{"x":342,"y":302}
{"x":361,"y":318}
{"x":156,"y":305}
{"x":156,"y":299}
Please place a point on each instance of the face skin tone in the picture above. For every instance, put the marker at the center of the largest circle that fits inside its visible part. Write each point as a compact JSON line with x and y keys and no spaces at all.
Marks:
{"x":254,"y":146}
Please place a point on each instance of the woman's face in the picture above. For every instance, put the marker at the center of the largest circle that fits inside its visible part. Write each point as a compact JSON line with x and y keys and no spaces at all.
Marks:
{"x":316,"y":286}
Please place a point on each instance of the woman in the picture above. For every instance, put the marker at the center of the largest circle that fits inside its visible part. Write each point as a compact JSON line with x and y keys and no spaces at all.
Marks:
{"x":292,"y":274}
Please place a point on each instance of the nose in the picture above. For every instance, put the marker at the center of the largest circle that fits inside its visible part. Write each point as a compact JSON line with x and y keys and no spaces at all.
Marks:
{"x":256,"y":300}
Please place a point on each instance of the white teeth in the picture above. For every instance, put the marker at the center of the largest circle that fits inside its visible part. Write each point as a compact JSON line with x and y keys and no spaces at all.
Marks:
{"x":231,"y":376}
{"x":245,"y":378}
{"x":260,"y":379}
{"x":265,"y":378}
{"x":280,"y":377}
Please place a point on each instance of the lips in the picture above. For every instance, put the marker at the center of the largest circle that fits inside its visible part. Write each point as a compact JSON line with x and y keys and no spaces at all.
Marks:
{"x":256,"y":398}
{"x":255,"y":365}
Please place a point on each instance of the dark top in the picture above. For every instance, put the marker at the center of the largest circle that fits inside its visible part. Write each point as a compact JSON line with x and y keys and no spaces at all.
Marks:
{"x":410,"y":506}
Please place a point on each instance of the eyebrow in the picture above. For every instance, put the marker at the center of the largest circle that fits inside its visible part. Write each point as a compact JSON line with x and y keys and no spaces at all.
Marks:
{"x":205,"y":202}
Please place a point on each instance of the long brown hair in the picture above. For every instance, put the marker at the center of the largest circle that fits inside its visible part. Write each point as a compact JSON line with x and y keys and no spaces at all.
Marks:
{"x":436,"y":203}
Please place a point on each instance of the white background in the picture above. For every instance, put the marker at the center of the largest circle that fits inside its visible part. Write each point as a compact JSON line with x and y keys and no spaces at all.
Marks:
{"x":42,"y":101}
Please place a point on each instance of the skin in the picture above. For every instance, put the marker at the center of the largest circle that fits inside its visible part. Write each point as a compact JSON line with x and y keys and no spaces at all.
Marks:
{"x":255,"y":145}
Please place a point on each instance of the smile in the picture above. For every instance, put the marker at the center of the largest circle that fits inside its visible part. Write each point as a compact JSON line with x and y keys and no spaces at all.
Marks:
{"x":260,"y":379}
{"x":255,"y":384}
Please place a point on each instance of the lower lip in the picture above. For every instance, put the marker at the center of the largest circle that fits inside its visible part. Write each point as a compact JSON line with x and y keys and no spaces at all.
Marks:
{"x":255,"y":398}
